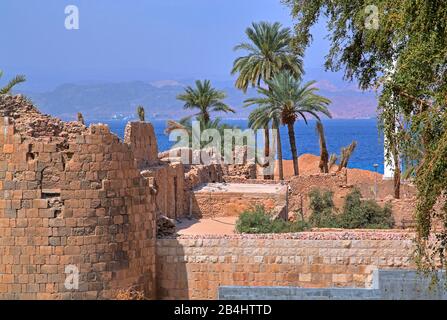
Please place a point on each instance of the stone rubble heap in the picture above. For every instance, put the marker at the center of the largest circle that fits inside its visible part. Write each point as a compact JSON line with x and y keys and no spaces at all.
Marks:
{"x":165,"y":226}
{"x":29,"y":121}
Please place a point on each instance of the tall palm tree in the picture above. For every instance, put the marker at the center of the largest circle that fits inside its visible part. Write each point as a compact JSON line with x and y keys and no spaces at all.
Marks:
{"x":260,"y":118}
{"x":12,"y":83}
{"x":293,"y":101}
{"x":204,"y":98}
{"x":268,"y":52}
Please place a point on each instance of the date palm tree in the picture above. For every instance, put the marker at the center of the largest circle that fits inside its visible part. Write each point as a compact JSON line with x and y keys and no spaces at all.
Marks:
{"x":11,"y":84}
{"x":292,"y":100}
{"x":205,"y":99}
{"x":268,"y":51}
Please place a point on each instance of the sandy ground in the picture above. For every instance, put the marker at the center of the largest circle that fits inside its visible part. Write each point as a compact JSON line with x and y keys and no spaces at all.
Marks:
{"x":221,"y":226}
{"x":308,"y":165}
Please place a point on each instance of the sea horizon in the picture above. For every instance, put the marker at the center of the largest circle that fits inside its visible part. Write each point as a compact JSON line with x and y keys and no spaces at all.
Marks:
{"x":339,"y":133}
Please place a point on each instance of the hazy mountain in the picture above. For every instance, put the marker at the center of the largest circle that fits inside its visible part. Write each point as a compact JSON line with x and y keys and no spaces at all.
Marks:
{"x":103,"y":101}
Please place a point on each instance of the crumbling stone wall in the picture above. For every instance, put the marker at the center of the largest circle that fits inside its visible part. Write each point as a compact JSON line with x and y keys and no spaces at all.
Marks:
{"x":70,"y":196}
{"x":168,"y":179}
{"x":140,"y":136}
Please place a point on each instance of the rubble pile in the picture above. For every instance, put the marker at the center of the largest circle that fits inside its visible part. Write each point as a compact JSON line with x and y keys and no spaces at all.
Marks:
{"x":165,"y":226}
{"x":29,"y":121}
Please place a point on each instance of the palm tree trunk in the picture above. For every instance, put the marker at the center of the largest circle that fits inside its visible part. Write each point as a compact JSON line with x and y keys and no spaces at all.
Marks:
{"x":291,"y":130}
{"x":279,"y":148}
{"x":267,"y":150}
{"x":206,"y":117}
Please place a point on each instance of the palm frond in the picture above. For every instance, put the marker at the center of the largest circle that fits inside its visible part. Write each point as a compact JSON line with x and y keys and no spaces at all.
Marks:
{"x":12,"y":83}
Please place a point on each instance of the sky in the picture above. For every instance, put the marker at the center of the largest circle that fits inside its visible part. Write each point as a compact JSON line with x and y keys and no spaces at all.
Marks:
{"x":125,"y":40}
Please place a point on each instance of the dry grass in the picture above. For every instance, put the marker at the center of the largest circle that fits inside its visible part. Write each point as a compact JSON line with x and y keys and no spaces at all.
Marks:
{"x":130,"y":294}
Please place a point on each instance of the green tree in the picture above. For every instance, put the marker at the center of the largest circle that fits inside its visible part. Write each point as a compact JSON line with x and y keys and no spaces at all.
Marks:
{"x":11,"y":84}
{"x":405,"y":57}
{"x":268,"y":52}
{"x":205,"y":99}
{"x":291,"y":100}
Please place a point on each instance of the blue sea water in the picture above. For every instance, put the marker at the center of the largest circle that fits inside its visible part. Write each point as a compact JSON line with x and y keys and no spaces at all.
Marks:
{"x":339,"y":133}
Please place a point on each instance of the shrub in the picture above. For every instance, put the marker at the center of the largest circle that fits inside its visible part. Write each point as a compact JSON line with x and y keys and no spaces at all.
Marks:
{"x":257,"y":220}
{"x":130,"y":294}
{"x":141,"y":113}
{"x":365,"y":214}
{"x":356,"y":214}
{"x":322,"y":207}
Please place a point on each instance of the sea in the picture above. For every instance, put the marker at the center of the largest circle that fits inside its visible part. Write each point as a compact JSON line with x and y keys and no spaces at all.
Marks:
{"x":339,"y":133}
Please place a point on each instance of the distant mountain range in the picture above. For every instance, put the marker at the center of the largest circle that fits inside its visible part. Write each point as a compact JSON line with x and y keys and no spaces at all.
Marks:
{"x":105,"y":101}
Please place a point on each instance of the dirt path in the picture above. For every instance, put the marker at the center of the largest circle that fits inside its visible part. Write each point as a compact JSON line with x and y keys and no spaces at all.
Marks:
{"x":224,"y":225}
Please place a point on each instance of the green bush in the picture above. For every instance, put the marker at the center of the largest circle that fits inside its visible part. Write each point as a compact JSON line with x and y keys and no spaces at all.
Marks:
{"x":356,"y":214}
{"x":322,"y":207}
{"x":257,"y":220}
{"x":365,"y":214}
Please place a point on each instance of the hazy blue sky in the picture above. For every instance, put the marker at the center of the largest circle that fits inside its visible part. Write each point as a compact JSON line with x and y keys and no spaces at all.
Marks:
{"x":133,"y":39}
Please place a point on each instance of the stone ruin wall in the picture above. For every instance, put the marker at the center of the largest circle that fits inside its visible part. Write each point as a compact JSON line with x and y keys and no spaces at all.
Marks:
{"x":70,"y":196}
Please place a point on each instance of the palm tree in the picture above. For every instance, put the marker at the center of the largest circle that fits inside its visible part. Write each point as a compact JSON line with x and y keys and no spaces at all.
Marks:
{"x":12,"y":83}
{"x":293,"y":101}
{"x":260,"y":118}
{"x":204,"y":98}
{"x":268,"y":52}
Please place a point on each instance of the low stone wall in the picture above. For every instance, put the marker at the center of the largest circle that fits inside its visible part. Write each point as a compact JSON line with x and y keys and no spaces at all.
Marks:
{"x":225,"y":200}
{"x":191,"y":267}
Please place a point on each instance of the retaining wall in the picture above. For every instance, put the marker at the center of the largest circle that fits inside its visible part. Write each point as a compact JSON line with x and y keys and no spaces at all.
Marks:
{"x":191,"y":267}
